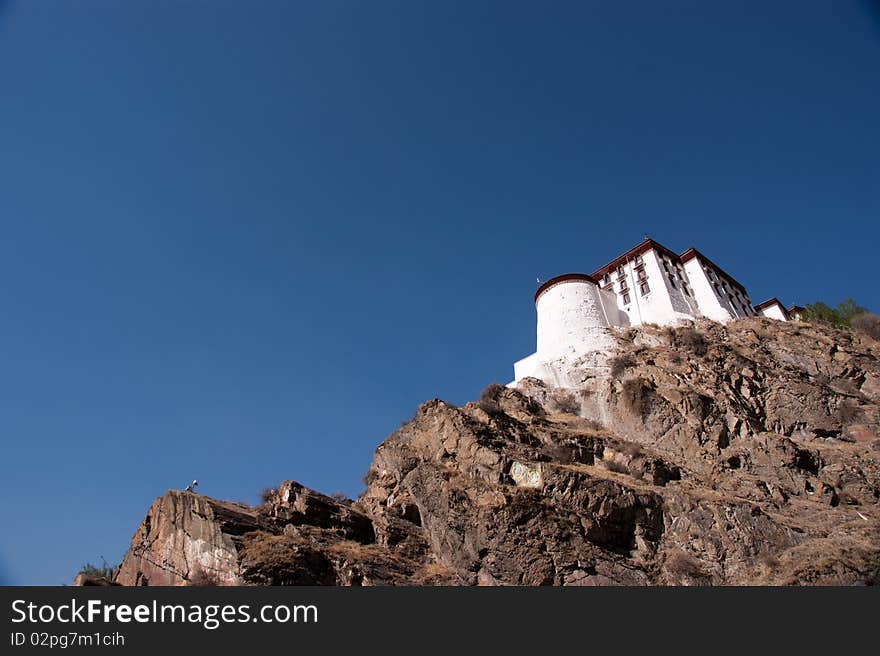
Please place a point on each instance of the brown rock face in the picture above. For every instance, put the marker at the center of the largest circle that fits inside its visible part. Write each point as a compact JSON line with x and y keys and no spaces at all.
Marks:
{"x":737,"y":454}
{"x":187,"y":538}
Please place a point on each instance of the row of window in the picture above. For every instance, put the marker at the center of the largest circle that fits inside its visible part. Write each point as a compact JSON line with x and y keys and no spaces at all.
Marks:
{"x":621,"y":272}
{"x":674,"y":271}
{"x":736,"y":299}
{"x":644,"y":289}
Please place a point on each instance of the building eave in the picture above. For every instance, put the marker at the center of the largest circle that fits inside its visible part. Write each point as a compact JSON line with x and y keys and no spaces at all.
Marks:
{"x":565,"y":277}
{"x":692,"y":253}
{"x":770,"y":302}
{"x":643,"y":247}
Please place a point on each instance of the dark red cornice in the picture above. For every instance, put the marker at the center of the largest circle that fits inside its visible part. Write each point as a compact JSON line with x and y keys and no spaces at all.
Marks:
{"x":645,"y":246}
{"x":563,"y":278}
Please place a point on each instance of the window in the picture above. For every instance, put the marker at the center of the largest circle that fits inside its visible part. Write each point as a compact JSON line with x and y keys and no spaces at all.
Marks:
{"x":642,"y":275}
{"x":644,"y":288}
{"x":620,"y":271}
{"x":623,"y":287}
{"x":626,"y":299}
{"x":672,"y":282}
{"x":606,"y":278}
{"x":638,"y":260}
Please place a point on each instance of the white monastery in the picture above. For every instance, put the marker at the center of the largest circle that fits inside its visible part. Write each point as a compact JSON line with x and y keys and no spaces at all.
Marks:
{"x":647,"y":284}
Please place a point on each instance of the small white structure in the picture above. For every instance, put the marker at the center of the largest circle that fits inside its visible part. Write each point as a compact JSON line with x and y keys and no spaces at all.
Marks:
{"x":773,"y":309}
{"x":647,"y":284}
{"x":796,"y":312}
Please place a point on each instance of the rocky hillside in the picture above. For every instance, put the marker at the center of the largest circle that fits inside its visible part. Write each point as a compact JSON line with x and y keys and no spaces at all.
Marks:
{"x":739,"y":454}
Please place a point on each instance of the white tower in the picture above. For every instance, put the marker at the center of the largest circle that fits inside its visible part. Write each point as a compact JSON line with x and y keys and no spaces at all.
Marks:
{"x":573,"y":320}
{"x":572,"y":317}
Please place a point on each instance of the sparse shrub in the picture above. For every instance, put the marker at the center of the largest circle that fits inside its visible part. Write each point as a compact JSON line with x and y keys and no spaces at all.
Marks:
{"x":621,"y":363}
{"x":615,"y":466}
{"x":769,"y":561}
{"x":628,"y":335}
{"x":488,"y":400}
{"x":201,"y":578}
{"x":339,"y":496}
{"x":628,"y":448}
{"x":370,"y":477}
{"x":691,"y":339}
{"x":867,"y":323}
{"x":848,"y":412}
{"x":105,"y":571}
{"x":873,"y":567}
{"x":566,"y":402}
{"x":268,"y":494}
{"x":637,"y":395}
{"x":593,"y":425}
{"x":683,"y":564}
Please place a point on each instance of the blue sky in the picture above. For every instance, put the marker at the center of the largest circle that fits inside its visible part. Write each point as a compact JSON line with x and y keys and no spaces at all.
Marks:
{"x":242,"y":241}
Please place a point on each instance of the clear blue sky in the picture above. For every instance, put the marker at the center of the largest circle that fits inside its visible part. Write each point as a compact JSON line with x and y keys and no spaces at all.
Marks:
{"x":242,"y":241}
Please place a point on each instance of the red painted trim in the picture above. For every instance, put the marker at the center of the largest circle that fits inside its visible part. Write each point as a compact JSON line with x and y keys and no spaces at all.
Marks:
{"x":640,"y":249}
{"x":772,"y":301}
{"x":565,"y":277}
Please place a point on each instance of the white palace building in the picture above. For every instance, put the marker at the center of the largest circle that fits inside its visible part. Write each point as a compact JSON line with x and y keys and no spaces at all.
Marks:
{"x":647,"y":284}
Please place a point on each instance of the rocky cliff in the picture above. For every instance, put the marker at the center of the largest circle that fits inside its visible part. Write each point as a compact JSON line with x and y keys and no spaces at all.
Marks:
{"x":739,"y":454}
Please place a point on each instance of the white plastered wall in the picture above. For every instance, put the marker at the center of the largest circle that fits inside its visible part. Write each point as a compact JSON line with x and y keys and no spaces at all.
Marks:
{"x":573,"y":320}
{"x":711,"y":306}
{"x":774,"y":311}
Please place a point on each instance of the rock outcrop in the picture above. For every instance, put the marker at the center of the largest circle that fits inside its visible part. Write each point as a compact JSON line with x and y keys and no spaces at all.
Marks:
{"x":740,"y":454}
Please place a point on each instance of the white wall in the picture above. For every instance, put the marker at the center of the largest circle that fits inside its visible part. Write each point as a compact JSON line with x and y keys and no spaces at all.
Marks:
{"x":571,"y":320}
{"x":615,"y":315}
{"x":678,"y":287}
{"x":711,"y":306}
{"x":528,"y":366}
{"x":663,"y":304}
{"x":774,"y":311}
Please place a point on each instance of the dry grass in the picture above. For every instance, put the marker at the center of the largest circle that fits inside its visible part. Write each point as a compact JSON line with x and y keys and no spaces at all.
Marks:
{"x":683,"y":564}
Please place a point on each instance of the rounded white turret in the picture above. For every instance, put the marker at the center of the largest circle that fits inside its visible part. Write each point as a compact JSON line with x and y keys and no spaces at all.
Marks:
{"x":572,"y":319}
